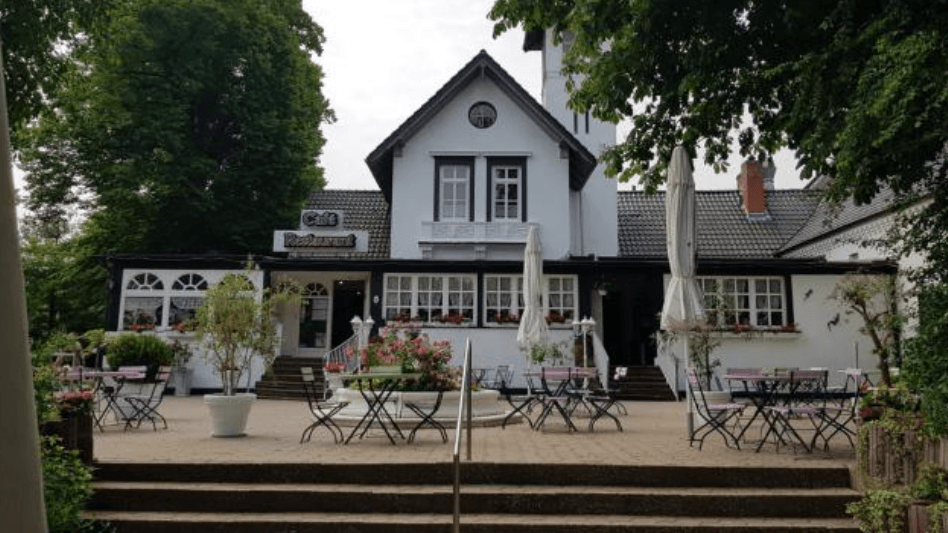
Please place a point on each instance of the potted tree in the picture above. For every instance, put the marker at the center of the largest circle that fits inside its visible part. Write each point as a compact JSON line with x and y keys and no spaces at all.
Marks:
{"x":235,"y":327}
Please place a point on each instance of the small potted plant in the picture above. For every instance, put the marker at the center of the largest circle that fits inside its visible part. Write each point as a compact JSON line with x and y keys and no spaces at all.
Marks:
{"x":181,"y":355}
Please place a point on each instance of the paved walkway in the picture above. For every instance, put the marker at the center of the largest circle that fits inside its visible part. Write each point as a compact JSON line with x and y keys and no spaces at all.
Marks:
{"x":654,"y":435}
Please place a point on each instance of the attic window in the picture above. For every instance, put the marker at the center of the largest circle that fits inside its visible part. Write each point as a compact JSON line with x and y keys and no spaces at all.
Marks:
{"x":482,"y":115}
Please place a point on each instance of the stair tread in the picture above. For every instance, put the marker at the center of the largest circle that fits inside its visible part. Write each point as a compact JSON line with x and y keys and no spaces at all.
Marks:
{"x":475,"y":489}
{"x":472,"y":518}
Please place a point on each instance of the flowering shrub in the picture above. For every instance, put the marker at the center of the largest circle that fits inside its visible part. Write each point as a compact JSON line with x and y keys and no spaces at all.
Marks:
{"x":453,"y":318}
{"x":555,"y":318}
{"x":78,"y":401}
{"x":185,"y":326}
{"x":334,"y":367}
{"x":414,"y":352}
{"x":506,"y":317}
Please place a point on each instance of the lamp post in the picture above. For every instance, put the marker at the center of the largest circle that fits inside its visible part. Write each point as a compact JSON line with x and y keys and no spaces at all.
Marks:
{"x":587,"y":325}
{"x":362,"y":328}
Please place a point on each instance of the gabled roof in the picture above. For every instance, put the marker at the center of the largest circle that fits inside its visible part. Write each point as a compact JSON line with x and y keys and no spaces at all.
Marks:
{"x":581,"y":161}
{"x":724,"y":231}
{"x":364,"y":210}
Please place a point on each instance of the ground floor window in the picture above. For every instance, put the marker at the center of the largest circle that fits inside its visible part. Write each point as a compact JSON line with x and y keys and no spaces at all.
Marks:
{"x":746,"y":301}
{"x":503,"y":298}
{"x":431,"y":298}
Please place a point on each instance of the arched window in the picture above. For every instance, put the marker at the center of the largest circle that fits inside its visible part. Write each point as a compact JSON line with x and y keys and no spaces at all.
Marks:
{"x":190,"y":282}
{"x":145,"y":281}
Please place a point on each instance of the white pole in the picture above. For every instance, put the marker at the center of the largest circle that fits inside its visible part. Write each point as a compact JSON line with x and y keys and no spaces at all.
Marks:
{"x":689,"y":413}
{"x":21,"y":481}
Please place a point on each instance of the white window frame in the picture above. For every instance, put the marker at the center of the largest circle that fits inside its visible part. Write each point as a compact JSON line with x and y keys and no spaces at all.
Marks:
{"x":502,"y":214}
{"x":412,"y":294}
{"x":564,"y":294}
{"x":462,"y":184}
{"x":755,"y":301}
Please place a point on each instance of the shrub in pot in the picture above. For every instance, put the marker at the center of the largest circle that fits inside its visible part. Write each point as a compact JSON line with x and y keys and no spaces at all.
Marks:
{"x":134,"y":349}
{"x":235,"y":325}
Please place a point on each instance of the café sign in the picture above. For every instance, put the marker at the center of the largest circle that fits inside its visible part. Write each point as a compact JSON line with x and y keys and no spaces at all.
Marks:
{"x":320,"y":218}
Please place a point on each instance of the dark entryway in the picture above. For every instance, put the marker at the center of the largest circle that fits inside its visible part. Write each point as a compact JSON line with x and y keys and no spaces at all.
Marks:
{"x":348,"y":300}
{"x":630,"y":318}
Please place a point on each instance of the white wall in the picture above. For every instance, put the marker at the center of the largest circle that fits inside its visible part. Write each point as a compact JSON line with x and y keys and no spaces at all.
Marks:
{"x":450,"y":133}
{"x":817,"y":344}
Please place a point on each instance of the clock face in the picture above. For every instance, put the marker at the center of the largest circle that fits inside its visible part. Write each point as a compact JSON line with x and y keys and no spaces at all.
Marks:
{"x":482,"y":115}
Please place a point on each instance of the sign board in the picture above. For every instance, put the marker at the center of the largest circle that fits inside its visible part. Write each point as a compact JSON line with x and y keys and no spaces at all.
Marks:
{"x":321,"y":218}
{"x":302,"y":241}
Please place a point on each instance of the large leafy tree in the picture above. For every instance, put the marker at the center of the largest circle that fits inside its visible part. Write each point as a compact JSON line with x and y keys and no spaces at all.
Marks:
{"x":859,"y":89}
{"x":185,"y":125}
{"x":37,"y":36}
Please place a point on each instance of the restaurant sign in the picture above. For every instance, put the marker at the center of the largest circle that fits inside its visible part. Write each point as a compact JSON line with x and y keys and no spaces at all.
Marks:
{"x":299,"y":241}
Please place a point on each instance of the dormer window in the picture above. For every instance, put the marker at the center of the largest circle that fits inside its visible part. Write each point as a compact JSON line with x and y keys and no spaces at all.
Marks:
{"x":454,"y":189}
{"x":506,"y":189}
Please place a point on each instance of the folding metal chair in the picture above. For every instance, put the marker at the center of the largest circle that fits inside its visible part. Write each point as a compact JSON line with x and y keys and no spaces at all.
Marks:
{"x":805,"y":398}
{"x":427,"y":413}
{"x":715,"y":415}
{"x":841,"y":409}
{"x":519,"y":403}
{"x":145,"y":407}
{"x":321,"y":411}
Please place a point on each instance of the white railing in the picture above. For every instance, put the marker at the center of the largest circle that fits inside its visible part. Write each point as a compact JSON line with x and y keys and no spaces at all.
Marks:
{"x":339,"y":354}
{"x":601,"y":358}
{"x":503,"y":232}
{"x":670,"y":365}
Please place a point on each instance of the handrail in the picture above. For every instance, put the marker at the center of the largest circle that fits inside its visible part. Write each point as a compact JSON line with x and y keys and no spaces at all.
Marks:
{"x":464,"y":402}
{"x":338,"y":354}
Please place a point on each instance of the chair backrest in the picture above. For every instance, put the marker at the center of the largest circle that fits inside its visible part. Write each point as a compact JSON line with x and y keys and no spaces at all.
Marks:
{"x":808,"y":386}
{"x":697,"y":393}
{"x":309,"y":384}
{"x":158,"y":388}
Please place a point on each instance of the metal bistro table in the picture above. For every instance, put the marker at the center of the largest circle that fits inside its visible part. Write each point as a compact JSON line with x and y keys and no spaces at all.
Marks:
{"x":375,"y":401}
{"x":110,"y":395}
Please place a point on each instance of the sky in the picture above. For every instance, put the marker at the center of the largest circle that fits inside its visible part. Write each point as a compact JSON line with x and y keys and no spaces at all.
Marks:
{"x":383,"y":59}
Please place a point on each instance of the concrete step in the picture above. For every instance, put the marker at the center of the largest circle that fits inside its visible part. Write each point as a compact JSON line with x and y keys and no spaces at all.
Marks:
{"x":475,"y":473}
{"x":165,"y":522}
{"x":509,"y":498}
{"x":491,"y":499}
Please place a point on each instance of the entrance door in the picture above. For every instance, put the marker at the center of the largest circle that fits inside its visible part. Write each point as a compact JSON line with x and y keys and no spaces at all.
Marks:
{"x":314,"y":320}
{"x":348,"y":300}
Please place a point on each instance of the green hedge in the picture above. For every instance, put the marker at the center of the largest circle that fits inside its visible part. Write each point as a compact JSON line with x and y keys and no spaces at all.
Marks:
{"x":925,"y":365}
{"x":136,"y":349}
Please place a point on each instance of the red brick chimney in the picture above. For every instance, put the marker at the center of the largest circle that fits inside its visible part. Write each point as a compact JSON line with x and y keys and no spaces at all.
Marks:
{"x":750,"y":183}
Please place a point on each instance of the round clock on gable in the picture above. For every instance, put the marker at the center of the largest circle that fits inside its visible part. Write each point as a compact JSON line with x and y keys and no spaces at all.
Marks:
{"x":482,"y":115}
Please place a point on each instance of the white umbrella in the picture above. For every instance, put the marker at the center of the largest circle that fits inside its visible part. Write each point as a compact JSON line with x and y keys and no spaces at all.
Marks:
{"x":533,"y":328}
{"x":683,"y":308}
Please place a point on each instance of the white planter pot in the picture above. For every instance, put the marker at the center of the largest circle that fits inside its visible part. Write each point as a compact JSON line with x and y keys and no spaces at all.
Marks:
{"x":229,"y":413}
{"x":182,"y":381}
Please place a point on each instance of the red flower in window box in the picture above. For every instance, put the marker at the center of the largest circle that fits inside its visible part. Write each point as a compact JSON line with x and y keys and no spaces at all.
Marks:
{"x":789,"y":328}
{"x":742,"y":328}
{"x":555,"y":318}
{"x":452,"y":318}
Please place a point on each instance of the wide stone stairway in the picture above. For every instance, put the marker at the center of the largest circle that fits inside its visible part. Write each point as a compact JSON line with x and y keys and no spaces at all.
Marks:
{"x":496,"y":497}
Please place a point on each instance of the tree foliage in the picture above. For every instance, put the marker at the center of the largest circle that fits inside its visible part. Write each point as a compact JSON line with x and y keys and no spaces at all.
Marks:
{"x":858,"y":89}
{"x":185,"y":126}
{"x":37,"y":36}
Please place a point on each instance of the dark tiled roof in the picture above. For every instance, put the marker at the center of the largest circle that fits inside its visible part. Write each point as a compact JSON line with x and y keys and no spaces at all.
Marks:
{"x":724,"y":231}
{"x":365,"y":211}
{"x":581,"y":161}
{"x":828,"y":218}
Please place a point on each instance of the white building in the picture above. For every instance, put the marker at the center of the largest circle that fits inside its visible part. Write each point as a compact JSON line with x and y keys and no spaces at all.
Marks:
{"x":441,"y":241}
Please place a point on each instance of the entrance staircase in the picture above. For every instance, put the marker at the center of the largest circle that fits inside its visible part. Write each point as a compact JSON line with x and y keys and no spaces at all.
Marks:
{"x":286,"y":382}
{"x":642,"y":384}
{"x":506,"y":498}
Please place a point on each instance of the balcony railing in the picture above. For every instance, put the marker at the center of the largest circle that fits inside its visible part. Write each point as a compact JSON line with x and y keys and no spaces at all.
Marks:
{"x":474,"y":232}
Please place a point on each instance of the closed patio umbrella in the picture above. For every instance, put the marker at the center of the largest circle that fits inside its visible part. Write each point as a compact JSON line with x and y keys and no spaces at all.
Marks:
{"x":533,"y":329}
{"x":683,"y":308}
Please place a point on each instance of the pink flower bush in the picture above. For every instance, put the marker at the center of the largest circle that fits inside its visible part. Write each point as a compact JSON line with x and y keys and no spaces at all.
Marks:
{"x":415,"y":353}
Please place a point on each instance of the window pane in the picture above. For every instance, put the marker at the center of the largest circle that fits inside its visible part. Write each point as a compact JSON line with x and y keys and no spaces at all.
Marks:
{"x":760,"y":285}
{"x":776,"y":319}
{"x":423,"y":282}
{"x":743,"y":285}
{"x":761,"y":301}
{"x":775,"y":286}
{"x":776,"y":302}
{"x":405,"y":283}
{"x":490,"y":283}
{"x":554,"y":284}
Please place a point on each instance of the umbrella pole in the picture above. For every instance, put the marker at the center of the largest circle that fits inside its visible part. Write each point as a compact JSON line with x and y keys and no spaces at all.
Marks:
{"x":689,"y":415}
